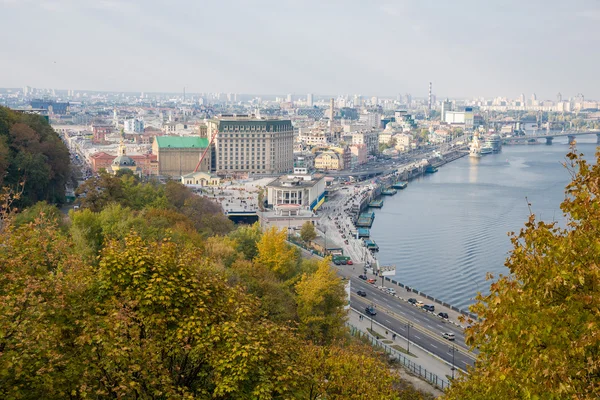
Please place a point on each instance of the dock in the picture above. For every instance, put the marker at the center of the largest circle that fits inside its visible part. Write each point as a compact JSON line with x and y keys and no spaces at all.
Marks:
{"x":365,"y":220}
{"x":400,"y":185}
{"x":389,"y":192}
{"x":364,"y":233}
{"x":371,"y":245}
{"x":376,"y":203}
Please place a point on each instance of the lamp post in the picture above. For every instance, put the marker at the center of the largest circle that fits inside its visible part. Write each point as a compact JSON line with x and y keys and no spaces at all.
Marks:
{"x":453,"y":350}
{"x":408,"y":325}
{"x":372,"y":308}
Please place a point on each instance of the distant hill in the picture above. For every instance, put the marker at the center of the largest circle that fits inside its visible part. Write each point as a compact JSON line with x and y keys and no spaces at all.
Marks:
{"x":32,"y":158}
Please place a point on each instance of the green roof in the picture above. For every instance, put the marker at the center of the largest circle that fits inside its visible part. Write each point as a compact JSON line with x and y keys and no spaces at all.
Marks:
{"x":179,"y":142}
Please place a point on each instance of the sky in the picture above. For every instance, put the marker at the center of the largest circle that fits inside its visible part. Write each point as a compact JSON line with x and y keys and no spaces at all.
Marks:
{"x":467,"y":48}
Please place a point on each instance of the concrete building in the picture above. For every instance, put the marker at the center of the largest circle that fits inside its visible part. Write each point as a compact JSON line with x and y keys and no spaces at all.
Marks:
{"x":246,"y":144}
{"x":368,"y":138}
{"x":133,"y":125}
{"x":360,"y":151}
{"x":309,"y":100}
{"x":178,"y":156}
{"x":329,"y":160}
{"x":305,"y":191}
{"x":446,"y":106}
{"x":100,"y":131}
{"x":465,"y":118}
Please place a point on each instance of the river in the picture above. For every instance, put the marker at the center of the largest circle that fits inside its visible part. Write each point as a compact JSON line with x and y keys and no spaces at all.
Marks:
{"x":446,"y":230}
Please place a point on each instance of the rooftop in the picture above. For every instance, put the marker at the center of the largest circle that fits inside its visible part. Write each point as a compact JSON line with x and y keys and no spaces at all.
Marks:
{"x":296,"y":181}
{"x":180,"y":142}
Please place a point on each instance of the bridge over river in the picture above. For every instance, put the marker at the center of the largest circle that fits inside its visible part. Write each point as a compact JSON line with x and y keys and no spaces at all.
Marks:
{"x":549,"y":136}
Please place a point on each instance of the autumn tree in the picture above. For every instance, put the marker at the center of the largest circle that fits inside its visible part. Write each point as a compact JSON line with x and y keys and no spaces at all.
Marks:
{"x":307,"y":232}
{"x":321,"y":300}
{"x":540,"y":332}
{"x":276,"y":254}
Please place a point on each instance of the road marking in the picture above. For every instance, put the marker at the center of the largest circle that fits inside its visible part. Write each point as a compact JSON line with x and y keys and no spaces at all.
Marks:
{"x":418,"y":337}
{"x":433,"y":345}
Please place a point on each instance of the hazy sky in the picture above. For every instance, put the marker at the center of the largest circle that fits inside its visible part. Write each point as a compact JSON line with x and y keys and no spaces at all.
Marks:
{"x":368,"y":47}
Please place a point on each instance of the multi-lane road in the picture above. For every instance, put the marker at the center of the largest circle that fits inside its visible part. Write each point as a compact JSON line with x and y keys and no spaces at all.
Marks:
{"x":425,"y":328}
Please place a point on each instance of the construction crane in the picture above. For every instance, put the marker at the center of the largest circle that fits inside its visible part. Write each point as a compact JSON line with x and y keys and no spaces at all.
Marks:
{"x":212,"y":139}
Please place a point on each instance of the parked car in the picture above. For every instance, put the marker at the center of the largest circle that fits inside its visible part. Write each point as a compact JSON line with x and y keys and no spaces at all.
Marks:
{"x":344,"y":262}
{"x":412,"y":301}
{"x":429,"y":307}
{"x":363,"y":277}
{"x":361,"y":293}
{"x":371,"y":280}
{"x":448,"y":335}
{"x":443,"y":315}
{"x":419,"y":303}
{"x":350,"y":262}
{"x":391,"y":291}
{"x":337,"y":262}
{"x":371,"y":310}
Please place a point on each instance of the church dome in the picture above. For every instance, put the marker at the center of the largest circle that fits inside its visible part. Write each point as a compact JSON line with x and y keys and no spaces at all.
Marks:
{"x":123,"y":161}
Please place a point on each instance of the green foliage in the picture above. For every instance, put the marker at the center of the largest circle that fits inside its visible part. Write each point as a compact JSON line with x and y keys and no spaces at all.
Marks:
{"x":539,"y":337}
{"x":39,"y":210}
{"x":247,"y":238}
{"x":32,"y":153}
{"x":307,"y":232}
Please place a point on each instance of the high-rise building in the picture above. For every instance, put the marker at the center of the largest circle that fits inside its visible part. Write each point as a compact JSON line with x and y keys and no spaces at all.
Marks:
{"x":309,"y":100}
{"x":446,"y":106}
{"x":246,"y":144}
{"x":133,"y":125}
{"x":289,"y":98}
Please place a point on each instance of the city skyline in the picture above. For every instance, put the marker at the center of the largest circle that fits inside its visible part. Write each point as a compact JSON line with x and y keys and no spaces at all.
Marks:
{"x":466,"y":49}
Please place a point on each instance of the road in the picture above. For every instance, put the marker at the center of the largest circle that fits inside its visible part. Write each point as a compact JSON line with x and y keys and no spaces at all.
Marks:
{"x":426,"y":329}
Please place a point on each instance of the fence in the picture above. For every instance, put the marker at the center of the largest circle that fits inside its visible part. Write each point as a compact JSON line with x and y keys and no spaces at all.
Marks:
{"x":405,"y":362}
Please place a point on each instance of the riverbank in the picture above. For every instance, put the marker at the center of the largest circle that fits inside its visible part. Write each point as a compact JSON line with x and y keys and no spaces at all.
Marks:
{"x":338,"y":219}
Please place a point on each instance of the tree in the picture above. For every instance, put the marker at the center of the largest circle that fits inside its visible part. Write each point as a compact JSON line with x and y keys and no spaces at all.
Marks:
{"x":307,"y":232}
{"x":247,"y":238}
{"x":276,"y":254}
{"x":321,"y":300}
{"x":539,"y":335}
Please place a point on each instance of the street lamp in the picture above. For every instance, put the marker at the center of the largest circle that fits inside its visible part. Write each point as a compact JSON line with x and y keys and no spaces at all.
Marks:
{"x":408,"y":325}
{"x":372,"y":309}
{"x":453,"y":350}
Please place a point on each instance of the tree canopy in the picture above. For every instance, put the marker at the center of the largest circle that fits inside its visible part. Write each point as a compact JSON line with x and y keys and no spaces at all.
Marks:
{"x":32,"y":158}
{"x":539,"y":337}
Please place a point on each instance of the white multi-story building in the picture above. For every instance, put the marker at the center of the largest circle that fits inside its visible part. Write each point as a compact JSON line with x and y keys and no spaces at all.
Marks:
{"x":133,"y":125}
{"x":246,"y":144}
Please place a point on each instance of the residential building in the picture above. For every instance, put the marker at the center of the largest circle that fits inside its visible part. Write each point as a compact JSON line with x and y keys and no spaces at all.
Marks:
{"x":246,"y":144}
{"x":100,"y":131}
{"x":329,"y":160}
{"x":368,"y":138}
{"x":178,"y":156}
{"x":360,"y":151}
{"x":133,"y":125}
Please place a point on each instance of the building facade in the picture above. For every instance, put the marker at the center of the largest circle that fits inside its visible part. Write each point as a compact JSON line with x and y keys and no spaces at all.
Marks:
{"x":133,"y":125}
{"x":246,"y":144}
{"x":329,"y":160}
{"x":100,"y":131}
{"x":305,"y":191}
{"x":368,"y":138}
{"x":178,"y":156}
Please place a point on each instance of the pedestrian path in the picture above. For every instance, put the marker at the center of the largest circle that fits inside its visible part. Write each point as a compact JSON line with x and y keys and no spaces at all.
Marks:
{"x":420,"y":357}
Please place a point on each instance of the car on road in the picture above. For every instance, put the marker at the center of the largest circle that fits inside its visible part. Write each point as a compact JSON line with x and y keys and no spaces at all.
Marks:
{"x":391,"y":291}
{"x":419,"y":303}
{"x":371,"y":280}
{"x":443,"y":315}
{"x":371,"y":310}
{"x":429,"y":307}
{"x":361,"y":293}
{"x":412,"y":301}
{"x":350,"y":262}
{"x":363,"y":277}
{"x":448,"y":335}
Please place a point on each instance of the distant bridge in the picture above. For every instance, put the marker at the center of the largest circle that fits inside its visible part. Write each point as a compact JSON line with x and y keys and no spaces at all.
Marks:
{"x":549,"y":136}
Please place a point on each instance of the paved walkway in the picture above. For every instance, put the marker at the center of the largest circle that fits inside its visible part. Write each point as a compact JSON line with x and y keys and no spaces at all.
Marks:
{"x":420,"y":357}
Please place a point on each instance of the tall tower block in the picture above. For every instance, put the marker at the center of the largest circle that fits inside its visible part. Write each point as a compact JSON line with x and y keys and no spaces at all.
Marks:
{"x":429,"y":98}
{"x":331,"y":119}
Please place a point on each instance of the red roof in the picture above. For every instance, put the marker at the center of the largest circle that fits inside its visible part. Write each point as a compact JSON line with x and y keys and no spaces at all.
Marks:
{"x":102,"y":155}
